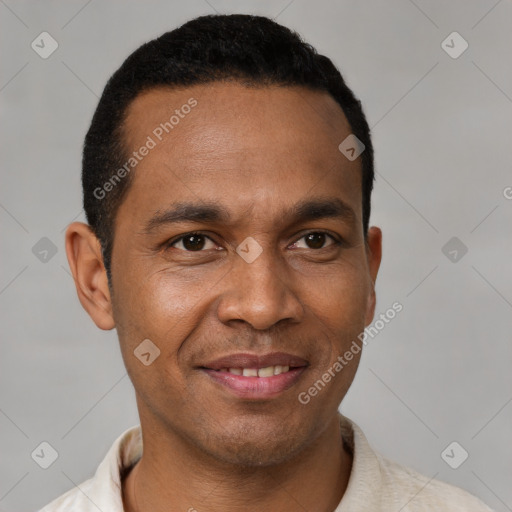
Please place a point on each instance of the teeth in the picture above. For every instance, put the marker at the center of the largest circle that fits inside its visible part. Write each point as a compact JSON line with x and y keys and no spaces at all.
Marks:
{"x":268,"y":371}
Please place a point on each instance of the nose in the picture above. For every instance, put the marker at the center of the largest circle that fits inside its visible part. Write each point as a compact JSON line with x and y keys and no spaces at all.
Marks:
{"x":259,"y":293}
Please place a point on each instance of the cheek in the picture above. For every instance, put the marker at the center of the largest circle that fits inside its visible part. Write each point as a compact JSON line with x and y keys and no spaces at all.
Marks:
{"x":339,"y":304}
{"x":165,"y":308}
{"x":151,"y":321}
{"x":156,"y":302}
{"x":339,"y":296}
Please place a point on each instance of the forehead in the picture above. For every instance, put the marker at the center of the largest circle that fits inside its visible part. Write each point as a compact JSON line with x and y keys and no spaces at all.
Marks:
{"x":265,"y":110}
{"x":247,"y":147}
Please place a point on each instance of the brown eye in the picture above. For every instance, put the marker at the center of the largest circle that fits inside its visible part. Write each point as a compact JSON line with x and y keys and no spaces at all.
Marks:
{"x":192,"y":242}
{"x":315,"y":240}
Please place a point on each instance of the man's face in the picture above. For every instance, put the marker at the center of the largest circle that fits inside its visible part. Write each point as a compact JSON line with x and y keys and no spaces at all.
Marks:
{"x":257,"y":156}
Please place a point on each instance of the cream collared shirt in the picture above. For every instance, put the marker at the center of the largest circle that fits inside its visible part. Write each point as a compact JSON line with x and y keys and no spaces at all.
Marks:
{"x":375,"y":485}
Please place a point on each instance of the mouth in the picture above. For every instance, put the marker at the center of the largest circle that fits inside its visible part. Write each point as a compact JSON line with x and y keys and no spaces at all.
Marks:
{"x":256,"y":377}
{"x":268,"y":371}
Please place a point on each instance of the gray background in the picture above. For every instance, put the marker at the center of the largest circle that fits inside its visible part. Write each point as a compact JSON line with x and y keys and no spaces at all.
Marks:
{"x":439,"y":372}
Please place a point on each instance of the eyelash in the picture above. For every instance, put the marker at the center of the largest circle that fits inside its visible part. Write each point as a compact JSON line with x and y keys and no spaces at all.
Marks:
{"x":170,"y":243}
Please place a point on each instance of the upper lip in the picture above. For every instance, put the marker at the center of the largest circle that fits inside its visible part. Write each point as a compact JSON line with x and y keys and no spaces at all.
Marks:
{"x":246,"y":360}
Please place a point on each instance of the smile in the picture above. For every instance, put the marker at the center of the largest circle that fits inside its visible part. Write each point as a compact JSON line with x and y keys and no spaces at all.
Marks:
{"x":268,"y":371}
{"x":255,"y":376}
{"x":253,"y":383}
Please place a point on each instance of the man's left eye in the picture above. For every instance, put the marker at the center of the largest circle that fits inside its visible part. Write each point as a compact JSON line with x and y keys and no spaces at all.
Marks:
{"x":315,"y":240}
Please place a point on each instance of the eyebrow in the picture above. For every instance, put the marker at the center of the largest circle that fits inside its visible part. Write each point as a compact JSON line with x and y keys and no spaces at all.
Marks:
{"x":211,"y":213}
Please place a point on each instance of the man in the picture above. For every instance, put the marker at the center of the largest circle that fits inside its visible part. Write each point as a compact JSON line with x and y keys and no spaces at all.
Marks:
{"x":227,"y":176}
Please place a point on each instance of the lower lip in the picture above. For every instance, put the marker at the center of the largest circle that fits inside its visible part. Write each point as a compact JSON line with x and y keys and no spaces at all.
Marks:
{"x":256,"y":387}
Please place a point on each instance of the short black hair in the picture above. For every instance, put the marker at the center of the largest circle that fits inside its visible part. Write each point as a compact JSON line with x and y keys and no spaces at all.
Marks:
{"x":252,"y":50}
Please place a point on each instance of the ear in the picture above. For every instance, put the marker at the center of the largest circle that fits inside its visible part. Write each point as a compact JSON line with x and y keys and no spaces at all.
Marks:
{"x":374,"y":256}
{"x":85,"y":259}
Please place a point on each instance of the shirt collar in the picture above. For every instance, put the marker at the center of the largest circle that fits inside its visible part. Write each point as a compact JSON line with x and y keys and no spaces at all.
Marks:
{"x":365,"y":476}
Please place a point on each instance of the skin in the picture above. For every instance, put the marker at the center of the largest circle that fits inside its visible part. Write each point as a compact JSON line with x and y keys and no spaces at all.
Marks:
{"x":257,"y":152}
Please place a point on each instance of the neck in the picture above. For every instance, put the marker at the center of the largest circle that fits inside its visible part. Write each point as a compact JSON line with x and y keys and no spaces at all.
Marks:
{"x":167,"y":475}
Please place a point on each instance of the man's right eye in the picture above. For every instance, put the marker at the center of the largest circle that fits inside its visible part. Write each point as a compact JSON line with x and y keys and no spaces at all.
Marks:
{"x":192,"y":242}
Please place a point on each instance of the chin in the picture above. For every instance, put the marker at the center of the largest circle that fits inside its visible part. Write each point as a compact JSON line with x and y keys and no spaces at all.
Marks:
{"x":256,"y":444}
{"x":255,"y":454}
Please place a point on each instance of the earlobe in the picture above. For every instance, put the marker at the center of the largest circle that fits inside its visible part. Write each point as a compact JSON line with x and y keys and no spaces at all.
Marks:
{"x":374,"y":253}
{"x":85,"y":259}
